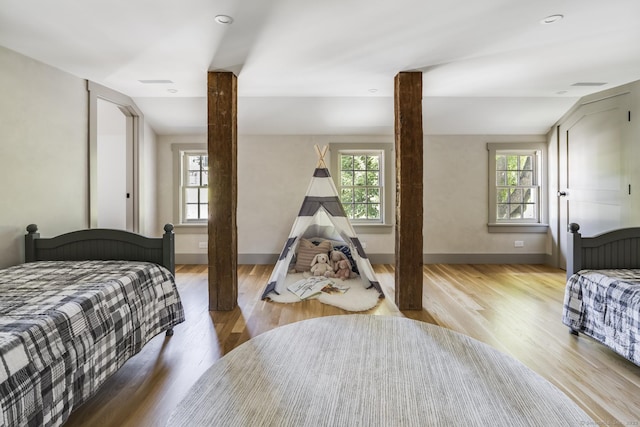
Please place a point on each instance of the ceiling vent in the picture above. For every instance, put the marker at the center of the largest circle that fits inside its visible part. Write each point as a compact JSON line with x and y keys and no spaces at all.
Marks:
{"x":155,"y":82}
{"x":588,"y":84}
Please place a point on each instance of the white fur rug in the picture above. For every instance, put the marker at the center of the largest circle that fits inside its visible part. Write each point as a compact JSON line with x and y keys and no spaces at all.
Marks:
{"x":357,"y":298}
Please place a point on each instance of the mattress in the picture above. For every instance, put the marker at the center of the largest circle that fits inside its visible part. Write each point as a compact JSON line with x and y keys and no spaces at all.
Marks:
{"x":66,"y":326}
{"x":605,"y":304}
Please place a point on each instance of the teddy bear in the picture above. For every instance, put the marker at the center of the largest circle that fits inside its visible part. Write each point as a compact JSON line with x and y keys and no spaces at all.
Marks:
{"x":342,"y":269}
{"x":336,"y":256}
{"x":320,"y":266}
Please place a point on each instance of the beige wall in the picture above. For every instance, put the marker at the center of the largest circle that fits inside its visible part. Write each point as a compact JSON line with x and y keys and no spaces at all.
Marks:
{"x":148,"y":184}
{"x":43,"y":152}
{"x":274,"y":172}
{"x":273,"y":175}
{"x":456,"y":199}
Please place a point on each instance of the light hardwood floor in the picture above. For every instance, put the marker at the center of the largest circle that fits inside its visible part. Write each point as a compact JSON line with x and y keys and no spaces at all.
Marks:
{"x":514,"y":308}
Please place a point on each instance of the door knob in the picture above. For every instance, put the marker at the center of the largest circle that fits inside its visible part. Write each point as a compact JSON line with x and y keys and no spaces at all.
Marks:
{"x":562,"y":193}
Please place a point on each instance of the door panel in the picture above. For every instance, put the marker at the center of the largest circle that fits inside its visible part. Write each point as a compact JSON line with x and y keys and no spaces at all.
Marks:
{"x":594,"y":168}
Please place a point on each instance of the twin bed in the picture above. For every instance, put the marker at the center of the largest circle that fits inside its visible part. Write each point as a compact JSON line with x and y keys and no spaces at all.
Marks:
{"x":602,"y":296}
{"x":80,"y":307}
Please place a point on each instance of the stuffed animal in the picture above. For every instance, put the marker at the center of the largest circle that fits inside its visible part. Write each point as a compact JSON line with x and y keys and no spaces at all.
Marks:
{"x":320,"y":266}
{"x":343,"y":269}
{"x":335,"y":256}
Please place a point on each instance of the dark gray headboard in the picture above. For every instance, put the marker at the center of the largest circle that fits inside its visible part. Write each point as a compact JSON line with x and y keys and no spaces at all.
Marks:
{"x":101,"y":244}
{"x":614,"y":249}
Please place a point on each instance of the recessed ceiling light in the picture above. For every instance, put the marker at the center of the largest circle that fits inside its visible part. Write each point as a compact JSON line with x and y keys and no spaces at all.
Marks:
{"x":223,"y":19}
{"x":561,"y":92}
{"x":172,"y":90}
{"x":373,"y":90}
{"x":551,"y":19}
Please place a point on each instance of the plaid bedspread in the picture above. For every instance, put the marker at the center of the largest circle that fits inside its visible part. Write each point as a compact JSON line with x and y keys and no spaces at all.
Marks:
{"x":605,"y":304}
{"x":66,"y":326}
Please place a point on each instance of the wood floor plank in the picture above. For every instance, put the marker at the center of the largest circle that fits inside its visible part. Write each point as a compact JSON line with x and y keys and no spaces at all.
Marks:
{"x":515,"y":308}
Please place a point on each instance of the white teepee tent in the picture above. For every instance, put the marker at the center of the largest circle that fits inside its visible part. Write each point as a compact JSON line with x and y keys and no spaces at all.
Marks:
{"x":321,"y":215}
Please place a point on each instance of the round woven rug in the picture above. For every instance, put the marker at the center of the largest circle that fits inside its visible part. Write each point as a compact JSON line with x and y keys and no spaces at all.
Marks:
{"x":364,"y":370}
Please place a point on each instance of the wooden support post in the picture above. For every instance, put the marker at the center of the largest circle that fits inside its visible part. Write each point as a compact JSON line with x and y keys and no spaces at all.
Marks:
{"x":222,"y":148}
{"x":408,"y":145}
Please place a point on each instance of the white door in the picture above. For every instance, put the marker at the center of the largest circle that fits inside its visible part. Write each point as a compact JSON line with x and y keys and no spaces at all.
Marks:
{"x":594,"y":167}
{"x":114,"y":168}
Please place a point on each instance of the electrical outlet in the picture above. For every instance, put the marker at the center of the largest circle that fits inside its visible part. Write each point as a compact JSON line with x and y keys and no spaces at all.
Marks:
{"x":202,"y":245}
{"x":518,"y":244}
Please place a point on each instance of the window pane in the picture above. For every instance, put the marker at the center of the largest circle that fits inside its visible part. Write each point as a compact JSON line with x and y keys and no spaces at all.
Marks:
{"x":512,"y":163}
{"x":373,"y":211}
{"x":346,"y":178}
{"x":360,"y":162}
{"x":529,"y":211}
{"x":360,"y":195}
{"x":191,"y":195}
{"x":346,"y":195}
{"x":205,"y":162}
{"x":374,"y":195}
{"x":526,"y":162}
{"x":205,"y":179}
{"x":502,"y":211}
{"x":192,"y":211}
{"x":526,"y":178}
{"x":204,"y":195}
{"x":515,"y":211}
{"x":193,"y":163}
{"x":373,"y":178}
{"x":501,"y":162}
{"x":501,"y":178}
{"x":503,"y":195}
{"x":360,"y":211}
{"x":359,"y":178}
{"x":373,"y":163}
{"x":348,"y":209}
{"x":512,"y":178}
{"x":516,"y":196}
{"x":204,"y":211}
{"x":193,"y":178}
{"x":346,"y":162}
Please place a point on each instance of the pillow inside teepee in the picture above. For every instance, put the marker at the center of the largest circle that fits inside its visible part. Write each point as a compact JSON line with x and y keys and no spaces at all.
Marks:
{"x":307,"y":250}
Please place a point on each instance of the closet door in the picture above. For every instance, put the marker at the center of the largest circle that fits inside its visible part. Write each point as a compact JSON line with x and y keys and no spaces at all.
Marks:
{"x":594,"y":161}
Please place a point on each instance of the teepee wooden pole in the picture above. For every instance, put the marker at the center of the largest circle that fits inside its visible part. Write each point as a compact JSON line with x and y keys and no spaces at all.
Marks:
{"x":321,"y":153}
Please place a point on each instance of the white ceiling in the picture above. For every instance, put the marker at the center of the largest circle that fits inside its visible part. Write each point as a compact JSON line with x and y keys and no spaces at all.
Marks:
{"x":307,"y":66}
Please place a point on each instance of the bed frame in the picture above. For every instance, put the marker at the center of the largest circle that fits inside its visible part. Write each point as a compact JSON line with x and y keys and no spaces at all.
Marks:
{"x":611,"y":250}
{"x":101,"y":244}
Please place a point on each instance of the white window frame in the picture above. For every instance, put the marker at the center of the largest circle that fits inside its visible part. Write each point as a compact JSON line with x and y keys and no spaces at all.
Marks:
{"x":385,"y":151}
{"x":180,"y":152}
{"x":522,"y":225}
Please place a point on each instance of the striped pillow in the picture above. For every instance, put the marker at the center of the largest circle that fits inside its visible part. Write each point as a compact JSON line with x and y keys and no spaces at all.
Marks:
{"x":307,"y":250}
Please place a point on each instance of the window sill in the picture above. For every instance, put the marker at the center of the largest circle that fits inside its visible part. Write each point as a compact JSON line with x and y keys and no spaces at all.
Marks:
{"x":192,"y":228}
{"x":372,"y":228}
{"x":517,"y":228}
